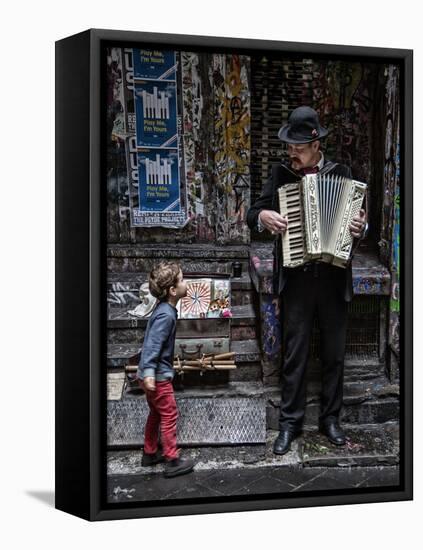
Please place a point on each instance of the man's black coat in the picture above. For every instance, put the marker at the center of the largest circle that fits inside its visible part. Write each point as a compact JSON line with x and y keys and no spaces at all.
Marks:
{"x":269,"y":200}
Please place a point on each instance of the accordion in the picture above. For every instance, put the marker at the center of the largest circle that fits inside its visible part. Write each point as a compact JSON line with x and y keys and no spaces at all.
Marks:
{"x":319,"y":209}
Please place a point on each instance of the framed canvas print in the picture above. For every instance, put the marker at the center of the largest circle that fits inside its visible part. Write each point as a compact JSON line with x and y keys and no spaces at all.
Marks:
{"x":233,"y":274}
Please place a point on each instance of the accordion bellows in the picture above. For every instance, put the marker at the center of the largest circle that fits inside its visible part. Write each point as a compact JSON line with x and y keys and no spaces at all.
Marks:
{"x":319,"y":208}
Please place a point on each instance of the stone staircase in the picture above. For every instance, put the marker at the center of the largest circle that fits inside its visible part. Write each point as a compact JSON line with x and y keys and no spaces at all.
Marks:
{"x":224,"y":398}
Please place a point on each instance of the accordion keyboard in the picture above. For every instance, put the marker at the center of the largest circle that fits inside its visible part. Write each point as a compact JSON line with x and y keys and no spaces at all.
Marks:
{"x":319,"y":209}
{"x":293,"y":240}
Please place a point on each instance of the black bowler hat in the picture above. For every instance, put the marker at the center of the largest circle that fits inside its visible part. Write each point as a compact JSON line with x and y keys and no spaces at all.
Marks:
{"x":303,"y":127}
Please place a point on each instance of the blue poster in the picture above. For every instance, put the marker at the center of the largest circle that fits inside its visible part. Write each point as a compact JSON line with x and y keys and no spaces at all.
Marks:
{"x":158,"y":173}
{"x":156,"y":114}
{"x":154,"y":64}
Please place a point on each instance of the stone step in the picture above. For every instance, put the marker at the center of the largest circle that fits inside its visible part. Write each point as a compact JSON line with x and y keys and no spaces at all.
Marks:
{"x":357,"y":368}
{"x":374,"y":402}
{"x":368,"y":445}
{"x":193,"y":257}
{"x":369,"y":401}
{"x":248,"y":360}
{"x":126,"y":329}
{"x":131,"y":335}
{"x":118,"y":355}
{"x":123,"y":289}
{"x":204,"y":418}
{"x":119,"y":318}
{"x":370,"y":276}
{"x":131,"y":282}
{"x":123,"y":343}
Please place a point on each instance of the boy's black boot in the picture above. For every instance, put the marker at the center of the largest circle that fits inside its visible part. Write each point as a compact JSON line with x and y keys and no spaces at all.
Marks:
{"x":151,"y":460}
{"x":178,"y":466}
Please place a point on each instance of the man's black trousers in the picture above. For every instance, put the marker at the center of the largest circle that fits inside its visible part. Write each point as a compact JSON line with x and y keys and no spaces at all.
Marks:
{"x":314,"y":289}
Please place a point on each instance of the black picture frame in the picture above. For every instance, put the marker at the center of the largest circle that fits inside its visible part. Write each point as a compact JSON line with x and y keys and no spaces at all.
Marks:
{"x":80,"y":279}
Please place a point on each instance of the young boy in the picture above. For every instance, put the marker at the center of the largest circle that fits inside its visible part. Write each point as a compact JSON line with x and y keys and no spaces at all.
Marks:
{"x":155,"y":371}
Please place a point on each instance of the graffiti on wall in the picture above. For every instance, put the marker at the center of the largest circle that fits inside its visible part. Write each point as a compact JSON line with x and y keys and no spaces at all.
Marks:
{"x":117,"y":182}
{"x":213,"y":123}
{"x":231,"y":145}
{"x":196,"y":105}
{"x":390,"y":240}
{"x":343,"y":96}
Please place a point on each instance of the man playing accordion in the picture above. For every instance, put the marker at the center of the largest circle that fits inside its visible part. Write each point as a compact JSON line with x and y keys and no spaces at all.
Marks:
{"x":314,"y":288}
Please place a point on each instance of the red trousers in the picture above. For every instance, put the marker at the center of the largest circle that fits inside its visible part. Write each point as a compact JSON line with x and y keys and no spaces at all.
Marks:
{"x":163,"y":415}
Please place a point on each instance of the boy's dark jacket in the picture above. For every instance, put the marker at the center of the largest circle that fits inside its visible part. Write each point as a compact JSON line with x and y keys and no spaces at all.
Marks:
{"x":159,"y":344}
{"x":268,"y":200}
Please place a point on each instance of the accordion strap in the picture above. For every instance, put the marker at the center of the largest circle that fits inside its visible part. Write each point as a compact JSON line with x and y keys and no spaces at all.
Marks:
{"x":328,"y":166}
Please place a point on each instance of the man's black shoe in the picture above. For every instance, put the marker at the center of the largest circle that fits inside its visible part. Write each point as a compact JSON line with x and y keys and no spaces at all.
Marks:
{"x":332,"y":430}
{"x":178,"y":466}
{"x":282,"y":443}
{"x":151,"y":460}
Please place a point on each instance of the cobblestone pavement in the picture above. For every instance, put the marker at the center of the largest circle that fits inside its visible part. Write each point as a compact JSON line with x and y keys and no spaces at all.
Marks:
{"x":369,"y":459}
{"x":246,"y":481}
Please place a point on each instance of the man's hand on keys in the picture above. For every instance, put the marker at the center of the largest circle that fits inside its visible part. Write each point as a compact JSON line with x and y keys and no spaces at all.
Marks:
{"x":273,"y":221}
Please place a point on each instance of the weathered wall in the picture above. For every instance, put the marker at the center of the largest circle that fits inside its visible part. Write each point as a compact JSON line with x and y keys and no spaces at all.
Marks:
{"x":230,"y":109}
{"x":390,"y":234}
{"x":230,"y":120}
{"x":346,"y":96}
{"x":214,"y":114}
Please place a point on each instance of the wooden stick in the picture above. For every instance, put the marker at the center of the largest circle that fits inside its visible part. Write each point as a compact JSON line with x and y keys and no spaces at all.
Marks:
{"x":225,"y":355}
{"x":219,"y":362}
{"x":196,"y":366}
{"x":229,"y":366}
{"x":196,"y":362}
{"x":193,"y":365}
{"x":186,"y":368}
{"x":220,"y":355}
{"x":203,"y":364}
{"x":200,"y":364}
{"x":219,"y":367}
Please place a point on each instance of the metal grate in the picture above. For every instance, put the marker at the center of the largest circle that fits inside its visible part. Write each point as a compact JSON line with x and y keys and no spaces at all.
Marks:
{"x":363,"y":329}
{"x":201,"y":421}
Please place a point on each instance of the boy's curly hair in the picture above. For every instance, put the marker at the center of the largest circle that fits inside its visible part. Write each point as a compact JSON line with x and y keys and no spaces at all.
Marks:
{"x":162,"y":277}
